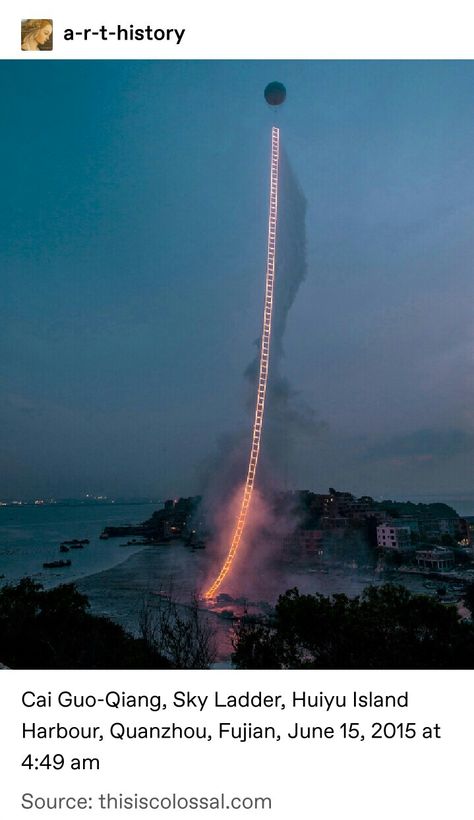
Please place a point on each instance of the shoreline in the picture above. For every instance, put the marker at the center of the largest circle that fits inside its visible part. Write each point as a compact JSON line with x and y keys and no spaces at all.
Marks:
{"x":150,"y":571}
{"x":154,"y":573}
{"x":31,"y":537}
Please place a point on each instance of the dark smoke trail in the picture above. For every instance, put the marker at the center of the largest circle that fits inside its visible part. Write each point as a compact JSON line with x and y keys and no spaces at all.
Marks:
{"x":289,"y":420}
{"x":291,"y":253}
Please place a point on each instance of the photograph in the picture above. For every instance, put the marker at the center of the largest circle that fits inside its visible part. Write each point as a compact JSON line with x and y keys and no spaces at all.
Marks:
{"x":237,"y":371}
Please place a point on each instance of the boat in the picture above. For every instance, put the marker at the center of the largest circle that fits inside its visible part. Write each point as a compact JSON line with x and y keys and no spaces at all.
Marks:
{"x":63,"y":548}
{"x":56,"y":564}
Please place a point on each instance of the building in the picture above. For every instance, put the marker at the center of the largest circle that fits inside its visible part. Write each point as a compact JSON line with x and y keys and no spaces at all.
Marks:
{"x":436,"y":558}
{"x":303,"y":543}
{"x":334,"y":523}
{"x":393,"y":538}
{"x":310,"y":540}
{"x":435,"y":528}
{"x":409,"y":521}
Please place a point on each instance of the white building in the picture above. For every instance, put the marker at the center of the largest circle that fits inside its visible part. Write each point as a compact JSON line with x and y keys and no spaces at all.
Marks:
{"x":390,"y":537}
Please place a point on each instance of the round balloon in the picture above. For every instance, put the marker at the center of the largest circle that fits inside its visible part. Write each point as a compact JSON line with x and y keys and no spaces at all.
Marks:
{"x":275,"y":93}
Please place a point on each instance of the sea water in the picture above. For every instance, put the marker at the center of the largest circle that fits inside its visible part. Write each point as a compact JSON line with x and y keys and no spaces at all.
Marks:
{"x":31,"y":535}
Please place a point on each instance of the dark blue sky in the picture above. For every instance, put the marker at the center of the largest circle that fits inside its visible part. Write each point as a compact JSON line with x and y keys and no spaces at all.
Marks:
{"x":132,"y":259}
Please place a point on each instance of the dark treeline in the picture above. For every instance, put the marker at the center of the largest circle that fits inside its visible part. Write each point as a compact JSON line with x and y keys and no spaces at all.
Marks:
{"x":385,"y":628}
{"x":52,"y":629}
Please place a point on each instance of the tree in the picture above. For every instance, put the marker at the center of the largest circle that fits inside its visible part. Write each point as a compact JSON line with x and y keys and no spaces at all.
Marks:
{"x":385,"y":627}
{"x":52,"y":629}
{"x":182,"y":634}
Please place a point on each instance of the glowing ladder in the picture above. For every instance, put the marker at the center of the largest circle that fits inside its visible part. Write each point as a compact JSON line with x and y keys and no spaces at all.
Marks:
{"x":263,"y":372}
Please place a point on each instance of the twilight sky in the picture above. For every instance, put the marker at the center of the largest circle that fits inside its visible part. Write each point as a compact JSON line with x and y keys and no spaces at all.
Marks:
{"x":133,"y":226}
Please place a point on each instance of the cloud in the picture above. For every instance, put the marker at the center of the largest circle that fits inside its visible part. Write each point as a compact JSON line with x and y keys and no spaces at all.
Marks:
{"x":421,"y":446}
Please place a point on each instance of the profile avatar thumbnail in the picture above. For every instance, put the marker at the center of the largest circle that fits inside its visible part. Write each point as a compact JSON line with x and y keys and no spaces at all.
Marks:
{"x":36,"y":35}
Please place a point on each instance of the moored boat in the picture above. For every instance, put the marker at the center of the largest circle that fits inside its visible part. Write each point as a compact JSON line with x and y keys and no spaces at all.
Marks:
{"x":56,"y":564}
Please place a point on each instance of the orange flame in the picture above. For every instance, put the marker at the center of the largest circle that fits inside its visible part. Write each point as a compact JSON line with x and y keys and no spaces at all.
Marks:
{"x":263,"y":372}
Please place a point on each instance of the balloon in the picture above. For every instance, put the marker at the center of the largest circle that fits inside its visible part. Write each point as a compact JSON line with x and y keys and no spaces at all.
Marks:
{"x":275,"y":93}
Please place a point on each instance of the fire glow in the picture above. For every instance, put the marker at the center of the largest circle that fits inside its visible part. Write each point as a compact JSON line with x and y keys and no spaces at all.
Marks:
{"x":263,"y":370}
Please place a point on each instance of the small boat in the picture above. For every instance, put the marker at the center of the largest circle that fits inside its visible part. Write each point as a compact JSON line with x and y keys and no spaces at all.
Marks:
{"x":63,"y":548}
{"x":56,"y":564}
